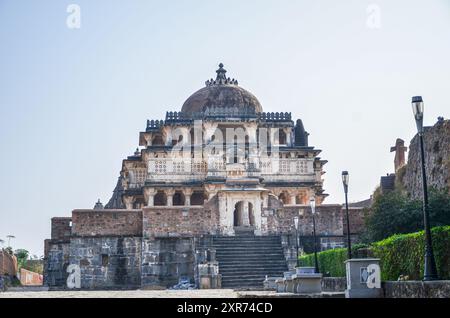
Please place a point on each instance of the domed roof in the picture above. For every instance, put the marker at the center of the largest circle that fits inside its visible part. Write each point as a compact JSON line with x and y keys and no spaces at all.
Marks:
{"x":221,"y":93}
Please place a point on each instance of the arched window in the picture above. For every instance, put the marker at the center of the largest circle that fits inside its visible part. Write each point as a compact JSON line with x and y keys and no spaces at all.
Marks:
{"x":160,"y":199}
{"x":198,"y":198}
{"x":178,"y":198}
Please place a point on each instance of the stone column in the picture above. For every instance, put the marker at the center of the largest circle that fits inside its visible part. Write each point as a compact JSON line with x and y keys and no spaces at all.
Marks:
{"x":187,"y":196}
{"x":149,"y":196}
{"x":169,"y":194}
{"x":128,"y":200}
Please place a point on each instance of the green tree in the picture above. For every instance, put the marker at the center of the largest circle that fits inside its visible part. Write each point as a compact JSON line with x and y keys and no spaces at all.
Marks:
{"x":395,"y":213}
{"x":22,"y":257}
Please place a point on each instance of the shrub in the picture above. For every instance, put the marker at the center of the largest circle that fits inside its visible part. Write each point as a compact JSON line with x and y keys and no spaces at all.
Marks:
{"x":401,"y":254}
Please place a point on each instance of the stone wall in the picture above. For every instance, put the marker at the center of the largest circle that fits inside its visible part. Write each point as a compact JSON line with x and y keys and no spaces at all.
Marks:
{"x":107,"y":262}
{"x":356,"y":217}
{"x":29,"y":278}
{"x":179,"y":222}
{"x":56,"y":260}
{"x":165,"y":260}
{"x":437,"y":160}
{"x":416,"y":289}
{"x":106,"y":223}
{"x":61,"y":228}
{"x":328,"y":219}
{"x":334,"y":284}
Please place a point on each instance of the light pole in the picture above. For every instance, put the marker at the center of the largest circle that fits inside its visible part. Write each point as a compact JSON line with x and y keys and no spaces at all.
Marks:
{"x":312,"y":203}
{"x":296,"y":238}
{"x":430,"y":271}
{"x":9,"y":239}
{"x":345,"y":179}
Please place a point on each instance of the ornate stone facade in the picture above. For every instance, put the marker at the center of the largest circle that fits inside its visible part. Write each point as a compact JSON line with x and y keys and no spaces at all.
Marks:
{"x":218,"y":168}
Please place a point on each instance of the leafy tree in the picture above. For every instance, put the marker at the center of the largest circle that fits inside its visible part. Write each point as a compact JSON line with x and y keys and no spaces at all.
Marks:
{"x":395,"y":213}
{"x":22,"y":257}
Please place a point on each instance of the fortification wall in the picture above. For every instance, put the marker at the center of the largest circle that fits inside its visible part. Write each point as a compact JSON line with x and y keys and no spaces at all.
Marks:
{"x":107,"y":262}
{"x":437,"y":160}
{"x":179,"y":222}
{"x":106,"y":223}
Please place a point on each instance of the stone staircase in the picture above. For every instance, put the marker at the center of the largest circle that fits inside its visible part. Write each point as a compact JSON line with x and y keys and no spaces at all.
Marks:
{"x":246,"y":259}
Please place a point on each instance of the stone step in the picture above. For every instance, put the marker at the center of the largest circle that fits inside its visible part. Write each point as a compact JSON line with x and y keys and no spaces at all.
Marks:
{"x":245,"y":239}
{"x":242,"y":273}
{"x":255,"y":260}
{"x":245,"y":260}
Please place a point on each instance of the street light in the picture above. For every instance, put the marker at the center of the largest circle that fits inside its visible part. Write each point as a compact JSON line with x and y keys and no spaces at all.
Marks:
{"x":296,"y":238}
{"x":345,"y":179}
{"x":312,"y":203}
{"x":430,"y":271}
{"x":9,"y":239}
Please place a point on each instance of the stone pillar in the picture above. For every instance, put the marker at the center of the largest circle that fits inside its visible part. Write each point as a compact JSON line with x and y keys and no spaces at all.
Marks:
{"x":149,"y":196}
{"x":169,"y":194}
{"x":291,"y":198}
{"x":128,"y":201}
{"x":187,"y":196}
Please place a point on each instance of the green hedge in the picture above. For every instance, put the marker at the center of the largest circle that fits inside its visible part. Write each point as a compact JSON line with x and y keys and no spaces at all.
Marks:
{"x":399,"y":255}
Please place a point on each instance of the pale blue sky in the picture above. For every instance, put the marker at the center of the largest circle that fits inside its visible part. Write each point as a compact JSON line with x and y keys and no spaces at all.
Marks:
{"x":72,"y":101}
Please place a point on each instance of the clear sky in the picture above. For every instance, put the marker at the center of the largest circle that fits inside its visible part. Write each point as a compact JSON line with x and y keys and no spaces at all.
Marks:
{"x":72,"y":101}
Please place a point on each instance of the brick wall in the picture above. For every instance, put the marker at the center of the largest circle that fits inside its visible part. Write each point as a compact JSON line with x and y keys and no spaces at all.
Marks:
{"x":178,"y":222}
{"x":107,"y":223}
{"x":29,"y":278}
{"x":356,"y":217}
{"x":328,"y":219}
{"x":8,"y":264}
{"x":61,"y":228}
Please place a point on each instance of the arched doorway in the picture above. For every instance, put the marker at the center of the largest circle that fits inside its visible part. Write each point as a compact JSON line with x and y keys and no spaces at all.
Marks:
{"x":238,"y":214}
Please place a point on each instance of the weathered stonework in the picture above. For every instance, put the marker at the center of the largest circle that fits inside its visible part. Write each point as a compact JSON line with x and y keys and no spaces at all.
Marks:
{"x":220,"y":168}
{"x":107,"y":262}
{"x":165,"y":260}
{"x":437,"y":160}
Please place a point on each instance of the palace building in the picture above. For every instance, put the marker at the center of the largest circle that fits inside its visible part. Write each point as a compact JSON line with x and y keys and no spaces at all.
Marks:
{"x":210,"y":196}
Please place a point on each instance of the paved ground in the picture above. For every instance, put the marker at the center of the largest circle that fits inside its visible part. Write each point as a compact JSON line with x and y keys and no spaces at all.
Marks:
{"x":211,"y":293}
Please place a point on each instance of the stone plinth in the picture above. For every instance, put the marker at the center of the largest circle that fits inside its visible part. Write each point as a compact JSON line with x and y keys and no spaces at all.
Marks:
{"x":270,"y":283}
{"x":281,"y":285}
{"x":307,"y":283}
{"x":363,"y":278}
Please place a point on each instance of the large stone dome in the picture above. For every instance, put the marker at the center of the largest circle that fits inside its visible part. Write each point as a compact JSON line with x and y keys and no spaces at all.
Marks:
{"x":221,"y":93}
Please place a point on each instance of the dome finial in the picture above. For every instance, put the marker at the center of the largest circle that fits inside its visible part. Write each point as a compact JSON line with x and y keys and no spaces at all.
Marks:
{"x":221,"y":78}
{"x":221,"y":73}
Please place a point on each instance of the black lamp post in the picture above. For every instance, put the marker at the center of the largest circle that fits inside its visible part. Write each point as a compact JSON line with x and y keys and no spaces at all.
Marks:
{"x":430,"y":271}
{"x":312,"y":203}
{"x":296,"y":239}
{"x":345,"y":179}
